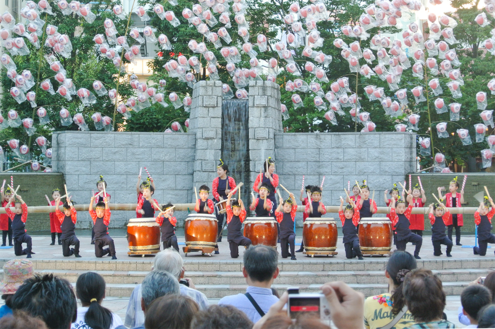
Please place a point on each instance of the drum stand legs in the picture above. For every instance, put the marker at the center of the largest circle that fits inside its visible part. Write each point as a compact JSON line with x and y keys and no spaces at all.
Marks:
{"x":312,"y":253}
{"x":204,"y":250}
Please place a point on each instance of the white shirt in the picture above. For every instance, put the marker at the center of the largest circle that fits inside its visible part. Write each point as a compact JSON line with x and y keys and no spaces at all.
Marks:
{"x":80,"y":324}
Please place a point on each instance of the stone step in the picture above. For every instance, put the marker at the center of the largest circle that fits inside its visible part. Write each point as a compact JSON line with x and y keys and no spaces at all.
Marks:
{"x":285,"y":278}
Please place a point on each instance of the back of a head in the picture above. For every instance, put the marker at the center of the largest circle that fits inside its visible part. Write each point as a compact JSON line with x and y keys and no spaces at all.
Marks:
{"x":486,"y":317}
{"x":260,"y":262}
{"x":90,"y":289}
{"x":424,"y":295}
{"x":221,"y":317}
{"x":49,"y":298}
{"x":283,"y":321}
{"x":490,"y":284}
{"x":169,"y":260}
{"x":21,"y":320}
{"x":171,"y":312}
{"x":474,"y":298}
{"x":399,"y":264}
{"x":157,"y":284}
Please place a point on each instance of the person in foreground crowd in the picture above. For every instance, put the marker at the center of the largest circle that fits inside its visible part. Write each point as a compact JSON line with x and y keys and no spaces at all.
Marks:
{"x":221,"y":317}
{"x":90,"y":289}
{"x":21,"y":320}
{"x":425,"y":299}
{"x":486,"y":317}
{"x":488,"y":282}
{"x":180,"y":312}
{"x":15,"y":271}
{"x":473,"y":299}
{"x":260,"y":270}
{"x":167,"y":260}
{"x":49,"y":298}
{"x":383,"y":309}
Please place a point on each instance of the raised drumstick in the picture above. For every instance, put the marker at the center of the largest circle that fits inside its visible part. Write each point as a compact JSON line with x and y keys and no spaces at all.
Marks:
{"x":436,"y":198}
{"x":286,"y":190}
{"x":236,"y":188}
{"x":359,"y":187}
{"x":196,"y":192}
{"x":404,"y":188}
{"x":486,"y":190}
{"x":464,"y":182}
{"x":3,"y":185}
{"x":279,"y":195}
{"x":48,"y":200}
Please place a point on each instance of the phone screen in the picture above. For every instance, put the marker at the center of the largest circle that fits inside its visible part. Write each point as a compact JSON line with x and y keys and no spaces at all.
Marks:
{"x":304,"y":305}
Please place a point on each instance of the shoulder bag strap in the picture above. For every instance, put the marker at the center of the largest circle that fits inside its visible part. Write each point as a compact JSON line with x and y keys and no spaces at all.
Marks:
{"x":396,"y":320}
{"x":256,"y":306}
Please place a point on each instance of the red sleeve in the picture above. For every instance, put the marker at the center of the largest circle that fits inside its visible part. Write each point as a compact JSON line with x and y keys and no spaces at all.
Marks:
{"x":293,"y":212}
{"x":140,"y":204}
{"x":60,"y":215}
{"x":214,"y":189}
{"x":24,"y":215}
{"x":477,"y":218}
{"x":242,"y":216}
{"x":408,"y":211}
{"x":432,"y":218}
{"x":275,"y":180}
{"x":279,"y":215}
{"x":92,"y":213}
{"x":489,"y":215}
{"x":229,"y":213}
{"x":342,"y":217}
{"x":196,"y":206}
{"x":73,"y":215}
{"x":305,"y":201}
{"x":9,"y":212}
{"x":387,"y":203}
{"x":374,"y":206}
{"x":270,"y":204}
{"x":253,"y":207}
{"x":356,"y":218}
{"x":393,"y":217}
{"x":160,"y":219}
{"x":106,"y":217}
{"x":256,"y":182}
{"x":447,"y":218}
{"x":232,"y":184}
{"x":173,"y":221}
{"x":307,"y":209}
{"x":211,"y":205}
{"x":324,"y":209}
{"x":358,"y":204}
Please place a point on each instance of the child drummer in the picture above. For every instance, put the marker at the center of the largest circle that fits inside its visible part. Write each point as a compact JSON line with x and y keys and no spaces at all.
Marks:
{"x":5,"y":221}
{"x":270,"y":179}
{"x":55,"y":228}
{"x":315,"y":208}
{"x":167,"y":221}
{"x":221,"y":187}
{"x":365,"y":205}
{"x":439,"y":218}
{"x":350,"y":221}
{"x":304,"y":201}
{"x":147,"y":206}
{"x":68,"y":220}
{"x":400,"y":219}
{"x":139,"y":191}
{"x":483,"y":218}
{"x":452,"y":200}
{"x":101,"y":220}
{"x":19,"y":217}
{"x":286,"y":213}
{"x":101,"y":186}
{"x":203,"y":204}
{"x":262,"y":206}
{"x":236,"y":214}
{"x":394,"y":193}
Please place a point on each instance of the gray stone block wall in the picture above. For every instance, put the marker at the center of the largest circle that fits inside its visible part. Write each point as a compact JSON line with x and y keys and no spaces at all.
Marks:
{"x":380,"y":158}
{"x":118,"y":156}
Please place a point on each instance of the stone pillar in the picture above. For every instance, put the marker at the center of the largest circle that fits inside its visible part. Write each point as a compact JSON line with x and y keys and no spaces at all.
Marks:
{"x":265,"y":119}
{"x":206,"y":122}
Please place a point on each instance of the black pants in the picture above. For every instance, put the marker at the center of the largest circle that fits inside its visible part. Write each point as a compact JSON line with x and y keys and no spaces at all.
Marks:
{"x":414,"y":238}
{"x":234,"y":247}
{"x":395,"y":237}
{"x":171,"y":242}
{"x":418,"y":232}
{"x":18,"y":241}
{"x":104,"y":241}
{"x":70,"y":241}
{"x":9,"y":233}
{"x":220,"y":219}
{"x":352,"y":249}
{"x":283,"y":245}
{"x":450,"y":228}
{"x":483,"y":245}
{"x":93,"y":235}
{"x":437,"y":251}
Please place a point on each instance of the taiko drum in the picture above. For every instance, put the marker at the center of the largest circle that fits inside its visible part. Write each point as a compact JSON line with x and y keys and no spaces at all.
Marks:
{"x":143,"y":236}
{"x":201,"y":231}
{"x":375,"y":235}
{"x":320,"y":235}
{"x":261,"y":230}
{"x":222,"y":206}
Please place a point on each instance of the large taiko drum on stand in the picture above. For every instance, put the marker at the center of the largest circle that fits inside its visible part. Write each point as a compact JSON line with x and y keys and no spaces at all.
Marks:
{"x":143,"y":236}
{"x":375,"y":236}
{"x":201,"y":231}
{"x":320,"y":236}
{"x":261,"y":230}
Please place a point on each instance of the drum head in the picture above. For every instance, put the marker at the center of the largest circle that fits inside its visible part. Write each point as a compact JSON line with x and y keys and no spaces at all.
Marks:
{"x":375,"y":220}
{"x":201,"y":217}
{"x":319,"y":220}
{"x":146,"y":221}
{"x":259,"y":220}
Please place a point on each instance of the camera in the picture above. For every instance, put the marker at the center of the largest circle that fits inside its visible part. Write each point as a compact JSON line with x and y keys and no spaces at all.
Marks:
{"x":308,"y":304}
{"x":184,"y":282}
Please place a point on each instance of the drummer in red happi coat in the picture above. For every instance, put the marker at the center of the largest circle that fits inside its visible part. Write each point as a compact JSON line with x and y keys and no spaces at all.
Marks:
{"x":147,"y":206}
{"x":55,"y":228}
{"x":454,"y":200}
{"x":304,"y":203}
{"x":221,"y":187}
{"x":203,"y":204}
{"x":394,"y":193}
{"x":139,"y":190}
{"x":418,"y":199}
{"x":269,"y":178}
{"x":5,"y":221}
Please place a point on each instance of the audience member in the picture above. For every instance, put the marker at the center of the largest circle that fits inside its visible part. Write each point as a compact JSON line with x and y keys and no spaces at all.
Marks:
{"x":283,"y":321}
{"x":179,"y":312}
{"x":48,"y":297}
{"x":15,"y":271}
{"x":425,"y":299}
{"x":221,"y":317}
{"x":260,"y":270}
{"x":21,"y":320}
{"x":170,"y":261}
{"x":489,"y":282}
{"x":473,"y":299}
{"x":90,"y":289}
{"x":486,"y":317}
{"x":383,"y":309}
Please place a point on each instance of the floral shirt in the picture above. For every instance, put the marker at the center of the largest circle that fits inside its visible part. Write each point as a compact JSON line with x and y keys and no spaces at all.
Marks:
{"x":378,"y":313}
{"x":432,"y":325}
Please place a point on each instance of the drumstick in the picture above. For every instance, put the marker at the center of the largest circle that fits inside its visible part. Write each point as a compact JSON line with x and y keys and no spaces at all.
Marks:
{"x":65,"y":187}
{"x":252,"y":194}
{"x":373,"y":198}
{"x":404,"y":188}
{"x":410,"y":181}
{"x":279,"y":195}
{"x":48,"y":199}
{"x":240,"y":185}
{"x":436,"y":198}
{"x":419,"y":181}
{"x":322,"y":181}
{"x":359,"y":187}
{"x":154,"y":203}
{"x":140,"y":171}
{"x":464,"y":182}
{"x":349,"y":185}
{"x":286,"y":190}
{"x":3,"y":185}
{"x":486,"y":190}
{"x":302,"y":188}
{"x":310,"y":202}
{"x":196,"y":192}
{"x":164,"y":211}
{"x":104,"y":190}
{"x":347,"y":194}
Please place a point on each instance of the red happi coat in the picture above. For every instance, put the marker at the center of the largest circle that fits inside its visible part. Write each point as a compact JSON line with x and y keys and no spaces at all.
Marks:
{"x":448,"y":204}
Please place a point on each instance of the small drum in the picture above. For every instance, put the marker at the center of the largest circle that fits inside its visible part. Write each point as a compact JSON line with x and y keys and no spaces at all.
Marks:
{"x":143,"y":235}
{"x":261,"y":230}
{"x":222,"y":206}
{"x":320,"y":236}
{"x":201,"y":231}
{"x":375,"y":235}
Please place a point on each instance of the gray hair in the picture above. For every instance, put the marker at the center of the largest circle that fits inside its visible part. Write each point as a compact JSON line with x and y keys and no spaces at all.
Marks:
{"x":260,"y":262}
{"x":157,"y":284}
{"x":169,"y":260}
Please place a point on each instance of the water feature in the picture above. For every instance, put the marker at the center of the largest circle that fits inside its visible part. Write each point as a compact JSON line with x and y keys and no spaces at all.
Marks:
{"x":235,"y":142}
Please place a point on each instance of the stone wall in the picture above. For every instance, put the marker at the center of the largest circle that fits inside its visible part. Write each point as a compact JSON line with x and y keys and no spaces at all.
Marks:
{"x":83,"y":156}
